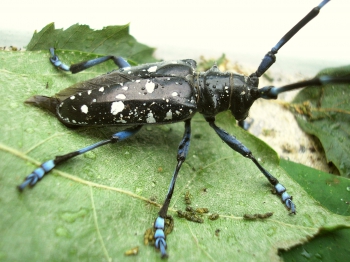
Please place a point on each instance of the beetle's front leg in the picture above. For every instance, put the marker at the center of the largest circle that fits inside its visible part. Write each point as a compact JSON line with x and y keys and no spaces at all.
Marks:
{"x":236,"y":145}
{"x":159,"y":224}
{"x":78,"y":67}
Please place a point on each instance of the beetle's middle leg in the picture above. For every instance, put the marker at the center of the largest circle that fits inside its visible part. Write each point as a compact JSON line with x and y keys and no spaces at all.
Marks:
{"x":78,"y":67}
{"x":236,"y":145}
{"x":159,"y":224}
{"x":245,"y":124}
{"x":47,"y":166}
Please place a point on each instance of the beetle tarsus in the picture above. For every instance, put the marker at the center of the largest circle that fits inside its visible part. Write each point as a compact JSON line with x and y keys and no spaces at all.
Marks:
{"x":37,"y":174}
{"x":159,"y":236}
{"x":286,"y":198}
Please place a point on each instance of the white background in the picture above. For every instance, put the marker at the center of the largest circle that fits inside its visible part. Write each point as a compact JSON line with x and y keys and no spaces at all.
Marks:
{"x":242,"y":29}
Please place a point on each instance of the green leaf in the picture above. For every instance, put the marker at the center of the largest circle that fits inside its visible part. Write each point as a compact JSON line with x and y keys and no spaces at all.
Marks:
{"x":327,"y":246}
{"x":332,"y":192}
{"x":325,"y":113}
{"x":96,"y":206}
{"x":206,"y":64}
{"x":111,"y":40}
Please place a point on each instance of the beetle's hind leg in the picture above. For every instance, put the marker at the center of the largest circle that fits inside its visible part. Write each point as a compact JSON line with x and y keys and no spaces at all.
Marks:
{"x":159,"y":224}
{"x":236,"y":145}
{"x":78,"y":67}
{"x":47,"y":166}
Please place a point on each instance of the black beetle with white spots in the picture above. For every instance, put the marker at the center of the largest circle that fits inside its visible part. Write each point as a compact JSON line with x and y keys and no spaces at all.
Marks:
{"x":163,"y":93}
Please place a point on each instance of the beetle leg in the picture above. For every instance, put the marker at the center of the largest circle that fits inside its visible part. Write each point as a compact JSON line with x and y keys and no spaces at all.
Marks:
{"x":236,"y":145}
{"x":78,"y":67}
{"x":159,"y":224}
{"x":47,"y":166}
{"x":245,"y":124}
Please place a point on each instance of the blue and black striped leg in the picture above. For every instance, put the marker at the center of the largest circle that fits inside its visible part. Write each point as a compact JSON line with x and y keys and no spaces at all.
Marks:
{"x":159,"y":224}
{"x":236,"y":145}
{"x":47,"y":166}
{"x":76,"y":68}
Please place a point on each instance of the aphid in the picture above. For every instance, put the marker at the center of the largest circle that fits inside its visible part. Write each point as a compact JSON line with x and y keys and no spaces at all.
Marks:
{"x":162,"y":93}
{"x":189,"y":209}
{"x":202,"y":210}
{"x":214,"y":216}
{"x":190,"y":216}
{"x":257,"y":216}
{"x":187,"y":198}
{"x":132,"y":252}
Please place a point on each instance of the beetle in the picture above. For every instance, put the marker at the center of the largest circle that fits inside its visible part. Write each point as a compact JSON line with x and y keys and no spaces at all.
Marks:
{"x":163,"y":93}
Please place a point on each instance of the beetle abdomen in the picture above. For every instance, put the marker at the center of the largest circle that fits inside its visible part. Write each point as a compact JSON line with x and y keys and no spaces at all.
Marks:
{"x":48,"y":103}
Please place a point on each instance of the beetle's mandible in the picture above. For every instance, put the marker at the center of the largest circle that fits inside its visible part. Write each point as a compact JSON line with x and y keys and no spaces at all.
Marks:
{"x":163,"y":93}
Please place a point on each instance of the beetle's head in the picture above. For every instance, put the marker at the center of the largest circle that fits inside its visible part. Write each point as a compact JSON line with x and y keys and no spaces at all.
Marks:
{"x":242,"y":98}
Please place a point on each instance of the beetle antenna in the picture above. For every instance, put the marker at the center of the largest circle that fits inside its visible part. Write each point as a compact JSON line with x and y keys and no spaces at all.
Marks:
{"x":271,"y":92}
{"x":270,"y":57}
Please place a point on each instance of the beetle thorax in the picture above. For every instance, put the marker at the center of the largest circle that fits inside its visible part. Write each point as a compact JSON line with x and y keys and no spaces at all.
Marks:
{"x":219,"y":91}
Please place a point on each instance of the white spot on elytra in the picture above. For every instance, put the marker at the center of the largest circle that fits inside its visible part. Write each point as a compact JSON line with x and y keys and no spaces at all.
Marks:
{"x":150,"y":118}
{"x":125,"y":88}
{"x":101,"y":89}
{"x":72,"y":97}
{"x":120,"y":96}
{"x":117,"y":107}
{"x":84,"y":109}
{"x":94,"y":100}
{"x":174,"y":94}
{"x":169,"y":115}
{"x":121,"y":121}
{"x":152,"y":69}
{"x":150,"y":86}
{"x":89,"y":92}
